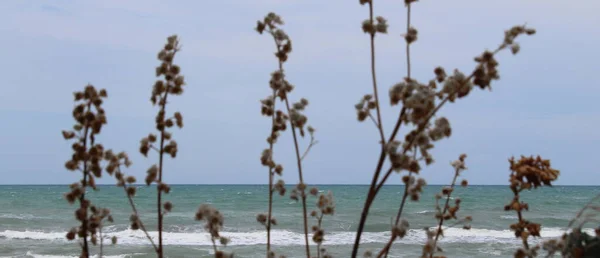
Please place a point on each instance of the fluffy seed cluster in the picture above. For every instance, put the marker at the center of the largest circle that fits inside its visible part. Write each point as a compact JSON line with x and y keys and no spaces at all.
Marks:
{"x":171,"y":83}
{"x":364,"y":107}
{"x":414,"y":186}
{"x":213,"y":224}
{"x":297,"y":118}
{"x":531,"y":171}
{"x":270,"y":24}
{"x":399,"y":160}
{"x":379,"y":25}
{"x":445,"y":211}
{"x":401,"y":229}
{"x":326,"y":206}
{"x":87,"y":156}
{"x":527,"y":173}
{"x":281,"y":88}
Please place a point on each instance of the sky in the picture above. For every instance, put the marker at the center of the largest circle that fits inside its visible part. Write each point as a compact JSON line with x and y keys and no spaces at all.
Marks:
{"x":545,"y":103}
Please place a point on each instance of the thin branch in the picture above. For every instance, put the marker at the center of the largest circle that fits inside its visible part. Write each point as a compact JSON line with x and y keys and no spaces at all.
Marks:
{"x":580,"y":213}
{"x":387,"y":247}
{"x":374,"y":121}
{"x":163,"y":105}
{"x":310,"y":145}
{"x":374,"y":77}
{"x":400,"y":209}
{"x":154,"y":148}
{"x":137,"y":215}
{"x":439,"y":230}
{"x":101,"y":244}
{"x":319,"y":221}
{"x":521,"y":220}
{"x":298,"y":159}
{"x":299,"y":162}
{"x":214,"y":245}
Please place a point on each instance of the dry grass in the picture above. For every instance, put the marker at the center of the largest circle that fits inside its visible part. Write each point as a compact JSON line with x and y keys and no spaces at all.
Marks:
{"x":417,"y":104}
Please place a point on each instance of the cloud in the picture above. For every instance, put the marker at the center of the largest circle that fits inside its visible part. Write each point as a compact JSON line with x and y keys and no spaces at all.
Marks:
{"x":544,"y":102}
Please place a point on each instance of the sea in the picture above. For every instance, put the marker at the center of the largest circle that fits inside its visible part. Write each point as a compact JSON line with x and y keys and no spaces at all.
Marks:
{"x":34,"y":220}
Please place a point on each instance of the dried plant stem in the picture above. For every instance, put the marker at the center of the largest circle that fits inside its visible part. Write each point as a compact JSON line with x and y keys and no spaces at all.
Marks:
{"x":388,"y":246}
{"x":101,"y":244}
{"x":299,"y":163}
{"x":84,"y":222}
{"x":372,"y":190}
{"x":375,"y":187}
{"x":408,"y":5}
{"x":446,"y":206}
{"x":373,"y":74}
{"x":137,"y":215}
{"x":163,"y":105}
{"x":420,"y":129}
{"x":521,"y":220}
{"x":214,"y":245}
{"x":270,"y":209}
{"x":310,"y":145}
{"x":319,"y":222}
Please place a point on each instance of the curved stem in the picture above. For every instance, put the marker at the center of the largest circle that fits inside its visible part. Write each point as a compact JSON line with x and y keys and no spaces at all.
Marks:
{"x":142,"y":227}
{"x":374,"y":78}
{"x":400,"y":209}
{"x":373,"y":189}
{"x":439,"y":229}
{"x":580,"y":212}
{"x":299,"y":163}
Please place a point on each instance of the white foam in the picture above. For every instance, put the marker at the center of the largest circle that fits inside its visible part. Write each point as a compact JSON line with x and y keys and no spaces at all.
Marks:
{"x":22,"y":216}
{"x":424,"y":212}
{"x":289,"y":238}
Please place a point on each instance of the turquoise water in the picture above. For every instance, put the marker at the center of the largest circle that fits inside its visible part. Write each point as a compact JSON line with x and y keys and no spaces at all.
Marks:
{"x":34,"y":220}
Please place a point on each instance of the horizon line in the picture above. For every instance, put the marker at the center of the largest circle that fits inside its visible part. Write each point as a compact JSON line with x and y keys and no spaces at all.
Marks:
{"x":223,"y":184}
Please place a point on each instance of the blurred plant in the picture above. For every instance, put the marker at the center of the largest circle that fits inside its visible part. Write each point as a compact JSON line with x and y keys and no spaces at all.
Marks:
{"x":577,"y":243}
{"x":214,"y":223}
{"x":280,"y":89}
{"x":527,"y":173}
{"x":446,"y":212}
{"x":171,"y":84}
{"x":419,"y":105}
{"x":326,"y":206}
{"x":87,"y":156}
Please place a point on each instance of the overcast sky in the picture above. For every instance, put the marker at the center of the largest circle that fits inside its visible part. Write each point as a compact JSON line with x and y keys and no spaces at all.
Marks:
{"x":545,"y":103}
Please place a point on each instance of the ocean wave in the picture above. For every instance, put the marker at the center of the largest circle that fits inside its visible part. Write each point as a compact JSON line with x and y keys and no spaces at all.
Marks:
{"x":425,"y":212}
{"x":289,"y":238}
{"x":20,"y":216}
